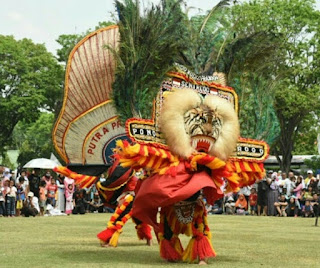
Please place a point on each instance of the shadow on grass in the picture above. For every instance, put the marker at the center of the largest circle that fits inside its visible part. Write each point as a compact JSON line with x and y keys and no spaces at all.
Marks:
{"x":113,"y":256}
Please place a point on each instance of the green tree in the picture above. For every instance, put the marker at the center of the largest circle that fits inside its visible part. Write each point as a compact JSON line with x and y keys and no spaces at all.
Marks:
{"x":295,"y":75}
{"x":34,"y":140}
{"x":30,"y":80}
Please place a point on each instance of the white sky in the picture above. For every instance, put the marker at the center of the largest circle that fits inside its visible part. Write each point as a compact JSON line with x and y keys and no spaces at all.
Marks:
{"x":44,"y":20}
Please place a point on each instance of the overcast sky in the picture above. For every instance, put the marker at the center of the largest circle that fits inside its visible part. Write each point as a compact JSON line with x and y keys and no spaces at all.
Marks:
{"x":44,"y":20}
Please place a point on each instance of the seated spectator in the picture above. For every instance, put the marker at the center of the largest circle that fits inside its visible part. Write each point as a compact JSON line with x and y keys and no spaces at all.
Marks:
{"x":229,"y":206}
{"x":308,"y":194}
{"x":241,"y":205}
{"x":30,"y":206}
{"x":253,"y":201}
{"x":79,"y":201}
{"x":281,"y":206}
{"x":95,"y":205}
{"x":292,"y":208}
{"x":307,"y":210}
{"x":217,"y":207}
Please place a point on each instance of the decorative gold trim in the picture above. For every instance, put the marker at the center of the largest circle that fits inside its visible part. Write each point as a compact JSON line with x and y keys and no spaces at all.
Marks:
{"x":63,"y":153}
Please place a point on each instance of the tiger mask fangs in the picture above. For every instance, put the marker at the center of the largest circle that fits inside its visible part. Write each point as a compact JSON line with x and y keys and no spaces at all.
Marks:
{"x":190,"y":123}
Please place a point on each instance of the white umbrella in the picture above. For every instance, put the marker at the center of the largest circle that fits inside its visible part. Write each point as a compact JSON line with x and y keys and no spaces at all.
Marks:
{"x":43,"y":163}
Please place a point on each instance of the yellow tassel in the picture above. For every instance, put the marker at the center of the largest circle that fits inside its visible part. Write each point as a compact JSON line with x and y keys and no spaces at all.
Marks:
{"x":187,"y":254}
{"x":114,"y":239}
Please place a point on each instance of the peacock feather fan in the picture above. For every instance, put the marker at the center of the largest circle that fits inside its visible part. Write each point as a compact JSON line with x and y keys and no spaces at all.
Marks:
{"x":150,"y":42}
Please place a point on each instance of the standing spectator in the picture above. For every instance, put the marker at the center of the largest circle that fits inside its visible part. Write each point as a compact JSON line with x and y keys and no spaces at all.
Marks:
{"x":61,"y":204}
{"x":69,"y":189}
{"x":263,"y":194}
{"x":51,"y":195}
{"x":11,"y":199}
{"x":245,"y":191}
{"x":273,"y":194}
{"x":315,"y":204}
{"x":281,"y":206}
{"x":253,"y":201}
{"x":21,"y":196}
{"x":299,"y":186}
{"x":43,"y":192}
{"x":24,"y":180}
{"x":34,"y":182}
{"x":47,"y":178}
{"x":309,"y":178}
{"x":292,"y":208}
{"x":281,"y":182}
{"x":289,"y":184}
{"x":2,"y":201}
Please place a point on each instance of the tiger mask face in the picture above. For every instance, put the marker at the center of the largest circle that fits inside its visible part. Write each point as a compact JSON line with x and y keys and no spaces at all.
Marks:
{"x":191,"y":123}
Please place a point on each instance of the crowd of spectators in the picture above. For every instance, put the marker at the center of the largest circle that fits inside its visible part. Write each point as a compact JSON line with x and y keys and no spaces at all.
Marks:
{"x":50,"y":194}
{"x":278,"y":194}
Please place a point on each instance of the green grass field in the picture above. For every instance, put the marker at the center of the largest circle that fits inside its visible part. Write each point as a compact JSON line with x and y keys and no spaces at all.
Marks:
{"x":240,"y":241}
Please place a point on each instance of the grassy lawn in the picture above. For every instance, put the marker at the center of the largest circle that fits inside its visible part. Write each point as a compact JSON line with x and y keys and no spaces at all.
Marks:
{"x":240,"y":241}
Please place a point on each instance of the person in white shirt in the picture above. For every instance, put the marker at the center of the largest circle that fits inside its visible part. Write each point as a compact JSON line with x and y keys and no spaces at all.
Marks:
{"x":25,"y":184}
{"x":11,"y":199}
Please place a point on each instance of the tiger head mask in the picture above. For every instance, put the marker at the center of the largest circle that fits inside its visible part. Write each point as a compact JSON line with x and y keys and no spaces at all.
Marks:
{"x":190,"y":123}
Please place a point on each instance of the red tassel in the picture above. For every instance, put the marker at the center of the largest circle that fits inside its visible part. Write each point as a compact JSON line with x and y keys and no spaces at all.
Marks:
{"x":144,"y":231}
{"x":106,"y":234}
{"x":168,"y":252}
{"x":202,"y":248}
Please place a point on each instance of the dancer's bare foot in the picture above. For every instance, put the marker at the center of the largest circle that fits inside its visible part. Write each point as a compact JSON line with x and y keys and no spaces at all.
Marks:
{"x":203,"y":262}
{"x":104,"y":244}
{"x":149,"y":242}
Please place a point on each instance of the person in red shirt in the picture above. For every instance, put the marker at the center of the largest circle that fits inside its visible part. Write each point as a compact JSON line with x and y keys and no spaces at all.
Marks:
{"x":51,"y":194}
{"x":253,"y":201}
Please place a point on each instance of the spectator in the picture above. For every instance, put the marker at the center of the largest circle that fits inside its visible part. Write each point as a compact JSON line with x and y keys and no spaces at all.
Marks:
{"x":281,"y":182}
{"x":30,"y":206}
{"x":302,"y":198}
{"x":292,"y":209}
{"x":51,"y":195}
{"x":229,"y":206}
{"x":69,"y":188}
{"x":309,"y":178}
{"x":47,"y":178}
{"x":298,"y":188}
{"x":262,"y":195}
{"x":24,"y":181}
{"x":11,"y":199}
{"x":43,"y":192}
{"x":34,"y":182}
{"x":95,"y":204}
{"x":253,"y":201}
{"x":217,"y":207}
{"x":61,"y":204}
{"x":241,"y":205}
{"x":309,"y":194}
{"x":281,"y":206}
{"x":21,"y":196}
{"x":79,"y":201}
{"x":289,"y":184}
{"x":273,"y":194}
{"x":307,"y":210}
{"x":315,"y":204}
{"x":2,"y":201}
